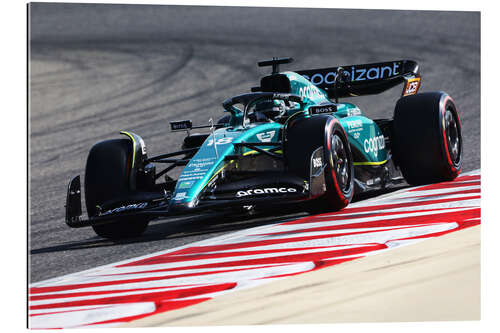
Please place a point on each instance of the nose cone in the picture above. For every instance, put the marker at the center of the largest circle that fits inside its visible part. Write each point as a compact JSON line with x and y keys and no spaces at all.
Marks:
{"x":177,"y":206}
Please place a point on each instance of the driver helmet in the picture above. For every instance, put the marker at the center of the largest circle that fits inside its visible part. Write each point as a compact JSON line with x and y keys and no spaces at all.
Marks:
{"x":271,"y":108}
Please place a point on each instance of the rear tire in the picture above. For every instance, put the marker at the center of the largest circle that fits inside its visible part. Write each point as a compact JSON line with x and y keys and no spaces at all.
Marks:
{"x":427,"y":138}
{"x":106,"y":177}
{"x":304,"y":136}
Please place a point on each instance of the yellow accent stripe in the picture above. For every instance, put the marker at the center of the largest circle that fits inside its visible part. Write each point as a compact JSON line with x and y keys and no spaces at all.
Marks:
{"x":217,"y":172}
{"x":369,"y":163}
{"x":258,"y":152}
{"x":133,"y":146}
{"x":230,"y":162}
{"x":225,"y":165}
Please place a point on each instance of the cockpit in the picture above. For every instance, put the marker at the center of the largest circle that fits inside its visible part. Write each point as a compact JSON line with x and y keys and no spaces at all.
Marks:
{"x":263,"y":107}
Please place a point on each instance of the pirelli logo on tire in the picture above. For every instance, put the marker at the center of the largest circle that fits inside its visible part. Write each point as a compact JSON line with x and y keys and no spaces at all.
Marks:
{"x":411,"y":86}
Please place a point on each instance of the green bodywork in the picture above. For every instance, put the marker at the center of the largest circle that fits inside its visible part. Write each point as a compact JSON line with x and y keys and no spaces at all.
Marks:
{"x":365,"y":138}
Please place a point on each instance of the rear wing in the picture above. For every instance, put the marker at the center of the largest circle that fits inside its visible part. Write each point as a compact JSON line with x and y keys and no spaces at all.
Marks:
{"x":367,"y":79}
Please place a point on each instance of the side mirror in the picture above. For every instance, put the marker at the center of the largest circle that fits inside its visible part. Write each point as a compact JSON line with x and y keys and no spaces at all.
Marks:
{"x":183,"y":125}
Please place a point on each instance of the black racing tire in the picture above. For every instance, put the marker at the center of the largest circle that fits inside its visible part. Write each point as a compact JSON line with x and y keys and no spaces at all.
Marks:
{"x":106,"y":177}
{"x":427,"y":143}
{"x":303,"y":137}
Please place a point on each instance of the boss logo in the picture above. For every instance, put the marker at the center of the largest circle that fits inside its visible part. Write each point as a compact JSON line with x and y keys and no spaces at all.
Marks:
{"x":267,"y":190}
{"x":323,"y":109}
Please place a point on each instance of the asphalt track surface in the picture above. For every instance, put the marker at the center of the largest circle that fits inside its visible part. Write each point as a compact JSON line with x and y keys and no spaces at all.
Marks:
{"x":99,"y":69}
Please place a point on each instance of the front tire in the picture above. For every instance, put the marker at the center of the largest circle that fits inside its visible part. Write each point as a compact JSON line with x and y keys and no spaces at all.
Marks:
{"x":427,"y":138}
{"x":106,"y":178}
{"x":304,"y":136}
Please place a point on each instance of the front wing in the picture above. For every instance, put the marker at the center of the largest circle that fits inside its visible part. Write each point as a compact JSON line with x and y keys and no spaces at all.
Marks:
{"x":156,"y":205}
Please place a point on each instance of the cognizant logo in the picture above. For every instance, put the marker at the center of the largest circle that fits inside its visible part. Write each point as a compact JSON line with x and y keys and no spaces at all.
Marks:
{"x":373,"y":145}
{"x":358,"y":74}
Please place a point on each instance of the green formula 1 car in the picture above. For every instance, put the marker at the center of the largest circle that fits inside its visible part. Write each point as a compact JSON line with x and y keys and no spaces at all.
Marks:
{"x":289,"y":141}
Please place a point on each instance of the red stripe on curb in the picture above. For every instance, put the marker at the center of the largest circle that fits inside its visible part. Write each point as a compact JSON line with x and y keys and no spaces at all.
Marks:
{"x":254,"y":257}
{"x":148,"y":297}
{"x":160,"y":307}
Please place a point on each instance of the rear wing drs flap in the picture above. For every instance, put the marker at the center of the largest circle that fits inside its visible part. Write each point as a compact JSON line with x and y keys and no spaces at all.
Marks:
{"x":367,"y":79}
